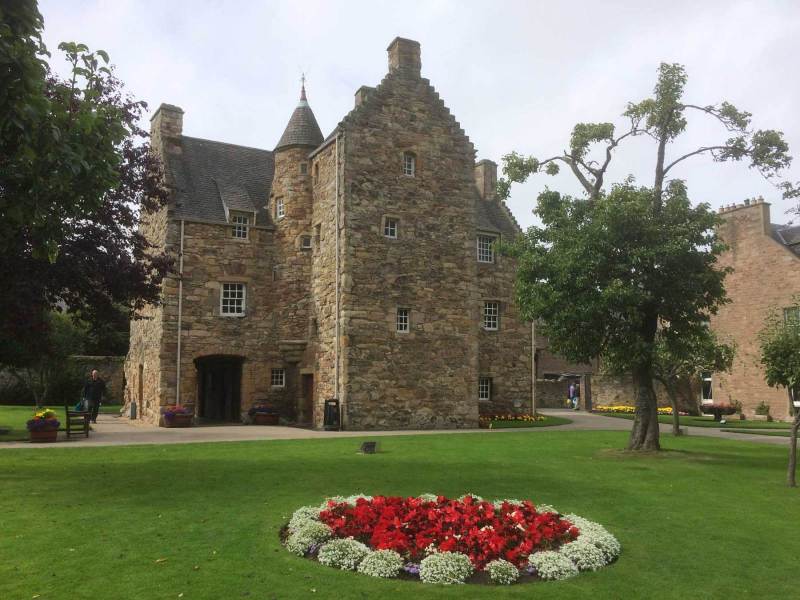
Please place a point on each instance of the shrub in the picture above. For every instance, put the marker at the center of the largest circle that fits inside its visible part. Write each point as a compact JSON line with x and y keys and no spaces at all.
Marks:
{"x":552,"y":565}
{"x":585,"y":555}
{"x":305,"y":536}
{"x":502,"y":572}
{"x":303,"y":516}
{"x":381,"y":563}
{"x":762,"y":409}
{"x":343,"y":554}
{"x":445,"y":568}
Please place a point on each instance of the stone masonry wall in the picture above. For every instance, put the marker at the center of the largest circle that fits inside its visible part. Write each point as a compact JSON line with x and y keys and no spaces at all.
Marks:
{"x":766,"y":275}
{"x":427,"y":377}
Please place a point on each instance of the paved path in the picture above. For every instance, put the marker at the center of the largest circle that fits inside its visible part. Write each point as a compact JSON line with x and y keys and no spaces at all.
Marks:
{"x":115,"y":431}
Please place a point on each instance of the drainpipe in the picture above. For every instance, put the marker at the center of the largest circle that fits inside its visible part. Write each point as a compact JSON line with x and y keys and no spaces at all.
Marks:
{"x":180,"y":314}
{"x":336,"y":334}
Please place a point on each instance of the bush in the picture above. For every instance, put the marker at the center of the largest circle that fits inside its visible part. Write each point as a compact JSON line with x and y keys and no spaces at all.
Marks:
{"x":312,"y":532}
{"x":445,"y":568}
{"x":585,"y":555}
{"x":343,"y":554}
{"x":502,"y":572}
{"x":552,"y":565}
{"x":381,"y":563}
{"x":762,"y":409}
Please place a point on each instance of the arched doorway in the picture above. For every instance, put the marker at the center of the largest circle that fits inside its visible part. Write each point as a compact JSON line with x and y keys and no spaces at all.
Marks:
{"x":219,"y":382}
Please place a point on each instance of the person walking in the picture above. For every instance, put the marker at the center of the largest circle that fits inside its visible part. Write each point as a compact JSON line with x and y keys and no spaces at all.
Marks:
{"x":571,"y":395}
{"x":93,"y":392}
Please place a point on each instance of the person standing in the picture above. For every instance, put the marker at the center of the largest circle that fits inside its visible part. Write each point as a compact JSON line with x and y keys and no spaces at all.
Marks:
{"x":93,"y":393}
{"x":571,"y":395}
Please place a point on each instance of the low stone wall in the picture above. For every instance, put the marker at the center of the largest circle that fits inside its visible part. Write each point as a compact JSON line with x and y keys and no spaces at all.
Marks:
{"x":551,"y":394}
{"x":111,"y":370}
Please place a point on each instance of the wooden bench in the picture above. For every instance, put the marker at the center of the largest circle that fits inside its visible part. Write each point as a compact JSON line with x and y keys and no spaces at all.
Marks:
{"x":77,"y":422}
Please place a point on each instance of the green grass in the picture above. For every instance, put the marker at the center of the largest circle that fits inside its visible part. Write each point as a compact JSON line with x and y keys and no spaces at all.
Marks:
{"x":549,"y":421}
{"x":763,"y":432}
{"x":708,"y":519}
{"x":15,"y":417}
{"x":710,"y":422}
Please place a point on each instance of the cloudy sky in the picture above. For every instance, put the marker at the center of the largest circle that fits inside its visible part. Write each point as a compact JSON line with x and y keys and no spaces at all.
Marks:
{"x":517,"y":75}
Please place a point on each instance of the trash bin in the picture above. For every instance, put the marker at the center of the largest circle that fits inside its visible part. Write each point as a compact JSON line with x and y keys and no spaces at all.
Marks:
{"x":331,"y":416}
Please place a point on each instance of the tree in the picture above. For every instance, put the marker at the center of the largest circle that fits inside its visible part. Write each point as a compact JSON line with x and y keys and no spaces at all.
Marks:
{"x":76,"y":177}
{"x":780,"y":356}
{"x":620,"y":307}
{"x":680,"y":359}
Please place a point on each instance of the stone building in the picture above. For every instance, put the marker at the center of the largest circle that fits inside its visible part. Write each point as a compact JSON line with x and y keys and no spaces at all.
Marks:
{"x":766,"y":276}
{"x":361,"y":266}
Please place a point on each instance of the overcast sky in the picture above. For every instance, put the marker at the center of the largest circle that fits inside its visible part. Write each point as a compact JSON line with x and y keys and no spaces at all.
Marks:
{"x":517,"y":75}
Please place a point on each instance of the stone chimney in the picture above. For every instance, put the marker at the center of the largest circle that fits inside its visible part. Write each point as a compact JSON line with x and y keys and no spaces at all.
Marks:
{"x":166,"y":128}
{"x":363,"y":93}
{"x":752,"y":217}
{"x":404,"y":57}
{"x":486,"y":179}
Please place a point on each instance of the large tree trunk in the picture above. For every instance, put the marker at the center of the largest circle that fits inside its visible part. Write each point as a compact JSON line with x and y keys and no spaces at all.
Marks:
{"x":644,"y":435}
{"x":791,"y":478}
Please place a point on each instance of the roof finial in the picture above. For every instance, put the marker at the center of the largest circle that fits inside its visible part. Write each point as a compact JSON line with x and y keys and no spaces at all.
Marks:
{"x":302,"y":86}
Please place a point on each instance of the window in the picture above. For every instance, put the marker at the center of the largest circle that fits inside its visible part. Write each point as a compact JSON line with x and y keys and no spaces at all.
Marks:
{"x":792,"y":315}
{"x":491,"y":316}
{"x":232,"y":299}
{"x":240,"y":226}
{"x":278,"y":378}
{"x":390,"y":228}
{"x":484,"y":388}
{"x":402,"y":321}
{"x":706,"y":395}
{"x":305,"y":242}
{"x":280,"y":210}
{"x":303,"y":168}
{"x":409,"y":164}
{"x":486,"y":248}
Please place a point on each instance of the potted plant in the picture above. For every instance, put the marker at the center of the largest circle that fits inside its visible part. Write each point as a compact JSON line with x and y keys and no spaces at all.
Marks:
{"x":737,"y":406}
{"x":718,"y":410}
{"x":263,"y":414}
{"x":178,"y":415}
{"x":43,"y":427}
{"x":762,"y":412}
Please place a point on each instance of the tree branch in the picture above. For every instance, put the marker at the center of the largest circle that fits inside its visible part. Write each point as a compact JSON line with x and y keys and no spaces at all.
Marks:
{"x":698,"y":151}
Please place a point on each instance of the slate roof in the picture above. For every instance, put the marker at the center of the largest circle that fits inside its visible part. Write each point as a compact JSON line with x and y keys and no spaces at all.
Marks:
{"x":302,"y":129}
{"x":207,"y":176}
{"x":787,"y":235}
{"x":493,"y":215}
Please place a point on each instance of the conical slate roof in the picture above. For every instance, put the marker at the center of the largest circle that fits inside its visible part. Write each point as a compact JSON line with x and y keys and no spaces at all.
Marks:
{"x":302,"y":129}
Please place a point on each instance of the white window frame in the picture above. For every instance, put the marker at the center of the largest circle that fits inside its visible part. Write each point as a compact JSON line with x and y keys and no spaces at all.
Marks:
{"x":485,"y":247}
{"x":706,"y":377}
{"x":240,"y":226}
{"x":277,"y":378}
{"x":280,"y":208}
{"x":225,"y":290}
{"x":491,"y":315}
{"x":484,"y":388}
{"x":390,"y":227}
{"x":409,"y":164}
{"x":402,"y":322}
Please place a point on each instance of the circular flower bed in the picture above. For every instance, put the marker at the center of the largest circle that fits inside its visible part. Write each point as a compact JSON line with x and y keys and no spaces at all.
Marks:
{"x":444,"y":541}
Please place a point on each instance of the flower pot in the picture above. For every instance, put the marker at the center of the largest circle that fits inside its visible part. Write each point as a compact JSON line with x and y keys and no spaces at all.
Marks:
{"x":43,"y":435}
{"x":178,"y":421}
{"x":265,"y":419}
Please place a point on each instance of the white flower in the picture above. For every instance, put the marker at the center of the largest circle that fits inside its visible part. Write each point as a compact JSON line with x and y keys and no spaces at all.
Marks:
{"x":502,"y":572}
{"x":343,"y":554}
{"x":585,"y":525}
{"x":428,"y":497}
{"x":498,"y":504}
{"x":381,"y":563}
{"x":586,"y":556}
{"x":475,"y":497}
{"x":303,"y":515}
{"x":445,"y":568}
{"x":546,"y":508}
{"x":312,"y":532}
{"x":605,"y":542}
{"x":552,"y":565}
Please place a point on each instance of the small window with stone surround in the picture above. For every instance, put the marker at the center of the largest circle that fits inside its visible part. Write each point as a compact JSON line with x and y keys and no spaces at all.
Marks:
{"x":491,"y":316}
{"x":278,"y":378}
{"x":484,"y":388}
{"x":403,"y":321}
{"x":240,"y":224}
{"x":409,"y":164}
{"x":303,"y":168}
{"x":280,"y":209}
{"x":486,"y":248}
{"x":305,"y":242}
{"x":390,"y":227}
{"x":232,"y":300}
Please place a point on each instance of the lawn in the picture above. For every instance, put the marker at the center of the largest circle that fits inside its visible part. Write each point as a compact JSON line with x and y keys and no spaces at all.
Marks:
{"x":709,"y":422}
{"x":15,"y":417}
{"x":202,"y":520}
{"x":548,"y":421}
